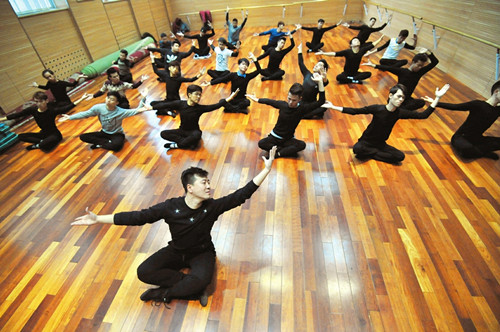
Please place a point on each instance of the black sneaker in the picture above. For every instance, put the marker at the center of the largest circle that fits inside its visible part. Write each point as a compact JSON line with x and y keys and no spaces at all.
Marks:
{"x":32,"y":147}
{"x":95,"y":146}
{"x":153,"y":294}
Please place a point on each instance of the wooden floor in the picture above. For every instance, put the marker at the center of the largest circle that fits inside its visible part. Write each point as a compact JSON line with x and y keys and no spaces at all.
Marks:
{"x":328,"y":243}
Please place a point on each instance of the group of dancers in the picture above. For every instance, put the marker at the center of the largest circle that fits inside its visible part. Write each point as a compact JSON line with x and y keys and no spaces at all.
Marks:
{"x":191,"y":217}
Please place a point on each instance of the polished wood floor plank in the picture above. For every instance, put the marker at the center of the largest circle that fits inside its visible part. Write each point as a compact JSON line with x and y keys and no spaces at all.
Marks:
{"x":328,"y":243}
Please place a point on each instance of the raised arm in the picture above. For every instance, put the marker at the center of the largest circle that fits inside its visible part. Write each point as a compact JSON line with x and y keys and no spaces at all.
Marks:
{"x":91,"y":218}
{"x":268,"y":165}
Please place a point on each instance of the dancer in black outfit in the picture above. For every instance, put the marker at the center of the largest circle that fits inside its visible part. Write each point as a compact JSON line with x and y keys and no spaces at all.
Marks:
{"x":311,"y":91}
{"x":239,"y":81}
{"x":410,"y":76}
{"x":190,"y":219}
{"x":45,"y":114}
{"x":173,"y":80}
{"x":353,"y":58}
{"x":276,"y":55}
{"x":290,"y":114}
{"x":366,"y":30}
{"x":203,"y":50}
{"x":171,"y":54}
{"x":189,"y":133}
{"x":469,"y":141}
{"x":57,"y":88}
{"x":315,"y":44}
{"x":372,"y":144}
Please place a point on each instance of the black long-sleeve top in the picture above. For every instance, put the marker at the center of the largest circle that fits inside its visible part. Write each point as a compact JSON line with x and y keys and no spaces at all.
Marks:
{"x":410,"y":78}
{"x":190,"y":115}
{"x":310,"y":92}
{"x":202,"y":40}
{"x":365,"y":31}
{"x":289,"y":118}
{"x":481,"y":116}
{"x":190,"y":228}
{"x":45,"y":120}
{"x":238,"y":81}
{"x":353,"y":60}
{"x":275,"y":57}
{"x":380,"y":128}
{"x":170,"y":56}
{"x":58,"y":90}
{"x":318,"y":33}
{"x":172,"y":84}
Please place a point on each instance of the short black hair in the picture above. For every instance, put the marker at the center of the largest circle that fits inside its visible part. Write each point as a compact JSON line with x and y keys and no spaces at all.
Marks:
{"x":47,"y":71}
{"x":244,"y":60}
{"x":188,"y":176}
{"x":115,"y":94}
{"x":404,"y":33}
{"x":235,"y":20}
{"x":176,"y":41}
{"x":321,"y":20}
{"x":398,"y":87}
{"x":282,"y":38}
{"x":222,"y":40}
{"x":350,"y":41}
{"x":193,"y":88}
{"x":281,"y":23}
{"x":420,"y":57}
{"x":296,"y":89}
{"x":111,"y":71}
{"x":495,"y":86}
{"x":163,"y":34}
{"x":325,"y":64}
{"x":124,"y":51}
{"x":203,"y":29}
{"x":40,"y":95}
{"x":373,"y":18}
{"x":174,"y":64}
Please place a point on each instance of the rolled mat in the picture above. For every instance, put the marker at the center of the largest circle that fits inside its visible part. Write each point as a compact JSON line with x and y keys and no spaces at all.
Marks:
{"x":99,"y":66}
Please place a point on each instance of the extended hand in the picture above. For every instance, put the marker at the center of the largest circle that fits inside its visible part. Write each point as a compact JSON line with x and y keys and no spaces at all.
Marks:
{"x":233,"y":94}
{"x":268,"y":162}
{"x":442,"y":91}
{"x":89,"y":219}
{"x":252,"y":97}
{"x":64,"y":117}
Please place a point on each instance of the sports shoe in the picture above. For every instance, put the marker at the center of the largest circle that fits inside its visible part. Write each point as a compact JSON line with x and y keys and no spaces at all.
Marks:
{"x":153,"y":294}
{"x":32,"y":147}
{"x":95,"y":146}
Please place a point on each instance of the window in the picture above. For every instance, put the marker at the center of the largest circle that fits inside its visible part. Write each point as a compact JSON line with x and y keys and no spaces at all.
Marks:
{"x":30,"y":7}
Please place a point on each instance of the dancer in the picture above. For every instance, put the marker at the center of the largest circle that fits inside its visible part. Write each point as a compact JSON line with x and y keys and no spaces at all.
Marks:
{"x":239,"y":81}
{"x":276,"y":55}
{"x":469,"y":141}
{"x":57,"y":87}
{"x":233,"y":31}
{"x":222,"y":55}
{"x":45,"y":114}
{"x":394,"y":46}
{"x":124,"y":66}
{"x":115,"y":84}
{"x":189,"y":133}
{"x":372,"y":144}
{"x":275,"y":34}
{"x":291,"y":112}
{"x":203,"y":50}
{"x":110,"y":115}
{"x":315,"y":44}
{"x":173,"y":80}
{"x":190,"y":219}
{"x":311,"y":91}
{"x":410,"y":76}
{"x":353,"y":56}
{"x":172,"y":54}
{"x":366,"y":30}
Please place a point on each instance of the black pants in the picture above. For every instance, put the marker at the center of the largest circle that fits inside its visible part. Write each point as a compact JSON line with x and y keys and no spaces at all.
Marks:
{"x":381,"y":152}
{"x":343,"y":78}
{"x":314,"y":47}
{"x":218,"y":73}
{"x":185,"y":139}
{"x":163,"y":269}
{"x":393,"y":62}
{"x":315,"y":113}
{"x":237,"y":106}
{"x":113,"y":142}
{"x":273,"y":75}
{"x":285,"y":147}
{"x":202,"y":52}
{"x":475,"y":148}
{"x":46,"y":142}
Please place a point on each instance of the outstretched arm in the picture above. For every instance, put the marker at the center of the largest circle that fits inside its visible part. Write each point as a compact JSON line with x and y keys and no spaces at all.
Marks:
{"x":91,"y":218}
{"x":268,"y":165}
{"x":439,"y":93}
{"x":325,"y":53}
